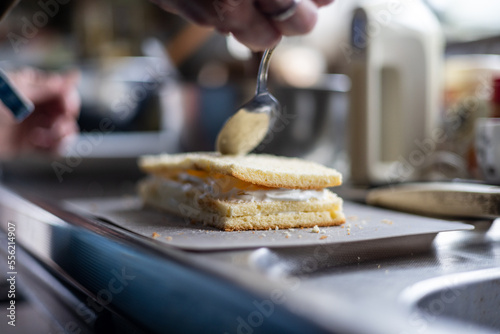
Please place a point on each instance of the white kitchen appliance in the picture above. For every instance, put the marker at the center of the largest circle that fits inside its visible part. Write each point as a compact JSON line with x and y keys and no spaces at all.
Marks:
{"x":395,"y":61}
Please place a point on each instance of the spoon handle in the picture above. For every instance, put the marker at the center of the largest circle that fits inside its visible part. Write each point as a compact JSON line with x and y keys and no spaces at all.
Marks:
{"x":263,"y":69}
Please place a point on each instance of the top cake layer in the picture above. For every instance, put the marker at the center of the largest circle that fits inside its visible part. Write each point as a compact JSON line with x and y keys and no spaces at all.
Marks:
{"x":260,"y":169}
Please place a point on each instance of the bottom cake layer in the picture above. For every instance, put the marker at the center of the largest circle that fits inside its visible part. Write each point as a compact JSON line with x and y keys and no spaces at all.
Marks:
{"x":179,"y":205}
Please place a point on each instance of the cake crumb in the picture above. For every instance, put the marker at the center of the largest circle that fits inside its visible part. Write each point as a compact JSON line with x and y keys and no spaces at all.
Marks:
{"x":323,"y":237}
{"x":169,"y":238}
{"x":263,"y":234}
{"x":277,"y":228}
{"x":291,"y":229}
{"x":287,"y":235}
{"x":315,"y":229}
{"x":155,"y":235}
{"x":270,"y":229}
{"x":387,"y":221}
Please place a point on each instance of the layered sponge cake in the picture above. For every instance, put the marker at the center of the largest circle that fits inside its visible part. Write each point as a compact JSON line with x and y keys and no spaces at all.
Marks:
{"x":251,"y":192}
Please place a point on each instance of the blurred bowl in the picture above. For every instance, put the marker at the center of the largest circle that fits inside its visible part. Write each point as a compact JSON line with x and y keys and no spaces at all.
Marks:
{"x":313,"y":123}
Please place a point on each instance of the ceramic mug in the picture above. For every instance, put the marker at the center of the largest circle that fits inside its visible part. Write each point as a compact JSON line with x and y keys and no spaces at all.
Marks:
{"x":487,"y":144}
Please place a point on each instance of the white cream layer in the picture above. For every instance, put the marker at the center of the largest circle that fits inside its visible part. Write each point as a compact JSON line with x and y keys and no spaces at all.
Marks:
{"x":218,"y":189}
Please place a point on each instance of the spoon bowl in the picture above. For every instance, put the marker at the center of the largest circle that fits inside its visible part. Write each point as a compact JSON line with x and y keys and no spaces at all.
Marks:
{"x":246,"y":129}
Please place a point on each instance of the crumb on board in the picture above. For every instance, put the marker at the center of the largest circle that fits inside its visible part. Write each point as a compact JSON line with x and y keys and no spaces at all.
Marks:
{"x":169,"y":238}
{"x":387,"y":221}
{"x":323,"y":237}
{"x":287,"y":235}
{"x":277,"y":228}
{"x":263,"y":234}
{"x":155,"y":235}
{"x":291,"y":229}
{"x":315,"y":229}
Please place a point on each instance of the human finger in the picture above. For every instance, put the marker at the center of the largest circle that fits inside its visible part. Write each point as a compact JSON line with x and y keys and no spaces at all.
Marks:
{"x":290,"y":17}
{"x":49,"y":138}
{"x":46,"y":86}
{"x":321,"y":3}
{"x":247,"y":24}
{"x":58,"y":95}
{"x":71,"y":102}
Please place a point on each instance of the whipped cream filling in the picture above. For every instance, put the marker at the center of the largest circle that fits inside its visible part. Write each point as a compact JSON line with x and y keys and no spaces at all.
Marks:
{"x":229,"y":188}
{"x":282,"y":194}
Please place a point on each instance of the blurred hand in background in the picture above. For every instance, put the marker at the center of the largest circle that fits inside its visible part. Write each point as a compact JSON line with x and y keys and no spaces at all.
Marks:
{"x":57,"y":106}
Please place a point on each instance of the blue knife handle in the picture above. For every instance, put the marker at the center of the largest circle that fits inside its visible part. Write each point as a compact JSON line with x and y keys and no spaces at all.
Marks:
{"x":19,"y":106}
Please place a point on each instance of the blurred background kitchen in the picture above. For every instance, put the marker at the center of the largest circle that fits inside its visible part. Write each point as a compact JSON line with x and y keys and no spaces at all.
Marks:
{"x":384,"y":91}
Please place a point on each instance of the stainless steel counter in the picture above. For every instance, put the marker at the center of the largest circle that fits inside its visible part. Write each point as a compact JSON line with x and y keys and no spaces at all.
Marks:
{"x":451,"y":285}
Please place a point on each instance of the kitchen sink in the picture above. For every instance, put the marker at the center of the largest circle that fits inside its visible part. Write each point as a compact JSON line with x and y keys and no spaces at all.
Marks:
{"x":471,"y":298}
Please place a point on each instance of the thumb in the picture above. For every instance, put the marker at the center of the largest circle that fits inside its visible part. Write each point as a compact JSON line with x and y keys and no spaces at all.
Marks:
{"x":43,"y":86}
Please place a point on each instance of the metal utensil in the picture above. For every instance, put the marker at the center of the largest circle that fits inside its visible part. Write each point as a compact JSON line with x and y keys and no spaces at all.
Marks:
{"x":443,"y":199}
{"x":250,"y":124}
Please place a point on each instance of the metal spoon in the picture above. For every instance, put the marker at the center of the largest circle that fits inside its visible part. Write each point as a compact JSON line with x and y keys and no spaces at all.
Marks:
{"x":250,"y":124}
